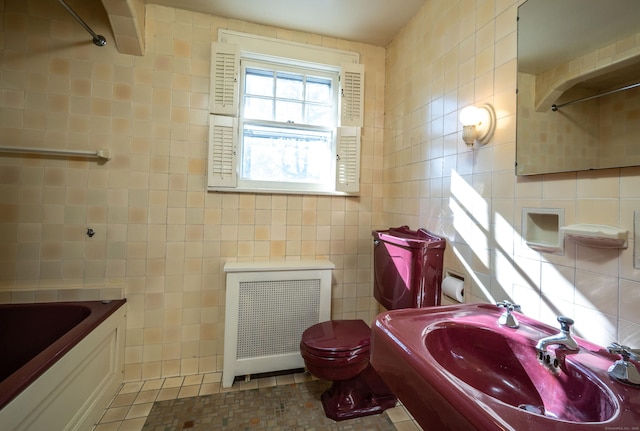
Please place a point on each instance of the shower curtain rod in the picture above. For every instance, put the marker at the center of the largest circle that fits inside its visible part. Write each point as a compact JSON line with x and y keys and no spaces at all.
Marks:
{"x":98,"y":40}
{"x":555,"y":107}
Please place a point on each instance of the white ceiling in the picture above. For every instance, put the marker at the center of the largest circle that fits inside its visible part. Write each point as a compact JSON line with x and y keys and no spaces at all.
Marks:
{"x":374,"y":22}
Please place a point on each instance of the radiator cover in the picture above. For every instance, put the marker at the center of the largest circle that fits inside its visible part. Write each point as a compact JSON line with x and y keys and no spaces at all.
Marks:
{"x":268,"y":306}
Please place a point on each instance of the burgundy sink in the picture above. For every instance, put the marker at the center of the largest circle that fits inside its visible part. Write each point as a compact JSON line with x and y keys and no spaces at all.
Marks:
{"x":456,"y":368}
{"x":508,"y":371}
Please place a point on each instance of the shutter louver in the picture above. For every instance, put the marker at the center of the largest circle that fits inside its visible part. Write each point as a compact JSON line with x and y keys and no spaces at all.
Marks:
{"x":348,"y":160}
{"x":225,"y":65}
{"x":352,"y":95}
{"x":222,"y":151}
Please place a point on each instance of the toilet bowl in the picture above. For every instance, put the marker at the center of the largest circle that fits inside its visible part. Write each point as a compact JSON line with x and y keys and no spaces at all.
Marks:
{"x":338,"y":351}
{"x":407,"y":273}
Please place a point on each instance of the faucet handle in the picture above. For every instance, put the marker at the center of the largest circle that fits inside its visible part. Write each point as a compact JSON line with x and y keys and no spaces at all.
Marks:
{"x":623,"y":370}
{"x":508,"y":319}
{"x":509,"y":305}
{"x":625,"y":351}
{"x":565,"y":323}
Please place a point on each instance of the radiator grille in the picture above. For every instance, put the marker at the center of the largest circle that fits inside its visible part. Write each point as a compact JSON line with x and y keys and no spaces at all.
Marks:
{"x":273,"y":314}
{"x":268,"y":307}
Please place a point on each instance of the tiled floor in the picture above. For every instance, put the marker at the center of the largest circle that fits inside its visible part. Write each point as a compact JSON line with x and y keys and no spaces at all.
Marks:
{"x":131,"y":406}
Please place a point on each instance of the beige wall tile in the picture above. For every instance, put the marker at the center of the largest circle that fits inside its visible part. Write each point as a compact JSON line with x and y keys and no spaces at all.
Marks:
{"x":164,"y":235}
{"x":479,"y":44}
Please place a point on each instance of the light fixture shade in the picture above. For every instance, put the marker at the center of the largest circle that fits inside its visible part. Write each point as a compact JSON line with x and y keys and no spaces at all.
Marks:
{"x":470,"y":116}
{"x":478,"y":124}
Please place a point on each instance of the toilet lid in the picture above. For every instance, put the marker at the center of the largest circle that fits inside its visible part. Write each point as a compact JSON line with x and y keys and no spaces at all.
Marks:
{"x":336,"y":336}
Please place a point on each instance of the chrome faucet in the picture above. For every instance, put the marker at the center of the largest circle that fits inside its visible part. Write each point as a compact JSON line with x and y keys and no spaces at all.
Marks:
{"x":563,"y":338}
{"x":507,"y":318}
{"x":623,"y":370}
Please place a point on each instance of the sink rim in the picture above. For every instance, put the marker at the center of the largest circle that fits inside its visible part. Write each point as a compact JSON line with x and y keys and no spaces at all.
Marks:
{"x":572,"y":362}
{"x":417,"y":381}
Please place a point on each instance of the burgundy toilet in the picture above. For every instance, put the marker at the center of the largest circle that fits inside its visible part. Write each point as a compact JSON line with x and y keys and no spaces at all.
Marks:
{"x":407,"y":274}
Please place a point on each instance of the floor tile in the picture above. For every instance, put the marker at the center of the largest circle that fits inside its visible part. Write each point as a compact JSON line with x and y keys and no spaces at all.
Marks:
{"x":131,"y":387}
{"x":139,"y":411}
{"x":133,"y":424}
{"x":108,"y":426}
{"x":282,"y":407}
{"x":407,"y":426}
{"x":150,"y":385}
{"x":286,"y":379}
{"x":168,"y":394}
{"x":212,"y":378}
{"x":189,"y":391}
{"x":131,"y":406}
{"x":398,"y":414}
{"x":192,"y":380}
{"x":146,"y":397}
{"x":124,"y":399}
{"x":267,"y":382}
{"x":173,"y":382}
{"x":209,"y":388}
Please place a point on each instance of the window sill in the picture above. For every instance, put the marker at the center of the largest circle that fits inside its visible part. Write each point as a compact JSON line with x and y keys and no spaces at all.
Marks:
{"x":280,"y":191}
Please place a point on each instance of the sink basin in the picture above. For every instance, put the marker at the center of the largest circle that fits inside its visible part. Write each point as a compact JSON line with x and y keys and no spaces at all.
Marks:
{"x":509,"y":372}
{"x":456,"y":368}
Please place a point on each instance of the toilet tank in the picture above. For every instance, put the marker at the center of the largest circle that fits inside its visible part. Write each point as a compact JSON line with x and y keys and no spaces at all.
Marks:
{"x":407,"y":267}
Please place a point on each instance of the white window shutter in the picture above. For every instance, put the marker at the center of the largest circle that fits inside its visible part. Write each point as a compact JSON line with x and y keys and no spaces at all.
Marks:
{"x":348,"y":160}
{"x":352,"y":95}
{"x":221,"y":169}
{"x":225,"y":69}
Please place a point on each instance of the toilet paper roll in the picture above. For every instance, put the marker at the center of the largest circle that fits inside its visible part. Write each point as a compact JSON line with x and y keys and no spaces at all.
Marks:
{"x":453,"y":287}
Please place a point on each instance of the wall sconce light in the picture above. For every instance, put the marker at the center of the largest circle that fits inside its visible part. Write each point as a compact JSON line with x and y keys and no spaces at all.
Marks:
{"x":478,"y":124}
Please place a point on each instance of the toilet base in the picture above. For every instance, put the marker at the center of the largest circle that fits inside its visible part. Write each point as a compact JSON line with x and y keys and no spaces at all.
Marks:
{"x":364,"y":395}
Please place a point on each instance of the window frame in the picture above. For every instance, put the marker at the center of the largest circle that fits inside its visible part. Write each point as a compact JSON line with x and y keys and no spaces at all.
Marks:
{"x":224,"y":107}
{"x":292,"y":186}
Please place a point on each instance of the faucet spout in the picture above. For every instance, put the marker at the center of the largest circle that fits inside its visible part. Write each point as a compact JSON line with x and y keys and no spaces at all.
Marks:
{"x":563,"y":338}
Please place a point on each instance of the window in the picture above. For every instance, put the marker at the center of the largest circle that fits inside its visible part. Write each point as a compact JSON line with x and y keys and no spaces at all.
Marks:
{"x":278,"y":125}
{"x":287,"y":118}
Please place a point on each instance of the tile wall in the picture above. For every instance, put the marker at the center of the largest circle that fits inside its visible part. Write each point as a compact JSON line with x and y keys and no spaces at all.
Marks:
{"x":456,"y":53}
{"x":161,"y":239}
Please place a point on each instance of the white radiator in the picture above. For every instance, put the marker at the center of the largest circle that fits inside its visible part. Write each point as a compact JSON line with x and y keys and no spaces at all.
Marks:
{"x":269,"y":305}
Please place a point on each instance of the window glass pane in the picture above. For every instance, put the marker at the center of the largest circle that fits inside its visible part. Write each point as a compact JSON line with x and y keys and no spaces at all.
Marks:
{"x":288,"y":111}
{"x":259,"y":82}
{"x":288,"y":120}
{"x":258,"y":108}
{"x":290,"y":86}
{"x":274,"y":154}
{"x":318,"y":90}
{"x":320,"y":115}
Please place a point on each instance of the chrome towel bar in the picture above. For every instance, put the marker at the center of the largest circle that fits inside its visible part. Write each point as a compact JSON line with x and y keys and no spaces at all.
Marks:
{"x":99,"y":154}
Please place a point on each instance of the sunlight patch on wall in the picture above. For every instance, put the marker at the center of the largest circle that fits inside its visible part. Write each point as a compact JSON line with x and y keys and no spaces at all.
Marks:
{"x":471,"y":218}
{"x":545,"y":290}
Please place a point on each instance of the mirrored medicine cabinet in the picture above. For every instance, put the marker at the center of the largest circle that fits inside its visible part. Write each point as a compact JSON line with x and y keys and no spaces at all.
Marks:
{"x":578,"y":85}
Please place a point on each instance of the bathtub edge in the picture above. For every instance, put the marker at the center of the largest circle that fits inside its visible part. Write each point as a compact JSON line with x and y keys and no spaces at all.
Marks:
{"x":73,"y":393}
